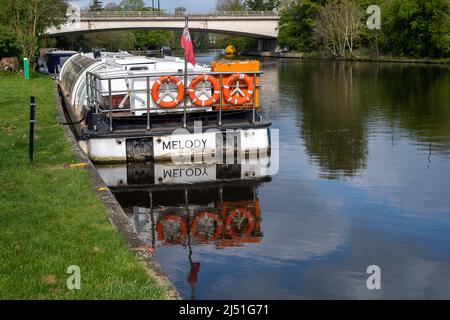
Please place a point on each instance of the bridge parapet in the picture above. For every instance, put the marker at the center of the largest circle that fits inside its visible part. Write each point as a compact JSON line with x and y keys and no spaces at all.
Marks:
{"x":145,"y":13}
{"x":256,"y":24}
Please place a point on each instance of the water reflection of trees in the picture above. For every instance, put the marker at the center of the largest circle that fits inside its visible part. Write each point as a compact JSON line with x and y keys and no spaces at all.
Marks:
{"x":330,"y":100}
{"x":337,"y":102}
{"x":417,"y":98}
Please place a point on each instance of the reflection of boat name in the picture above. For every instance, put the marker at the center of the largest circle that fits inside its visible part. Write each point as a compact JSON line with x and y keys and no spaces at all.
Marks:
{"x":187,"y":144}
{"x":189,"y":172}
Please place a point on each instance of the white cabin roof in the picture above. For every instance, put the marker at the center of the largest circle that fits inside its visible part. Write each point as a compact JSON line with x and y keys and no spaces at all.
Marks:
{"x":134,"y":60}
{"x":121,"y":65}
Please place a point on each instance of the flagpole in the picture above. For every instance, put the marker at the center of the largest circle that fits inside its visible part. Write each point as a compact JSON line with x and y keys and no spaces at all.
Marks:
{"x":185,"y":75}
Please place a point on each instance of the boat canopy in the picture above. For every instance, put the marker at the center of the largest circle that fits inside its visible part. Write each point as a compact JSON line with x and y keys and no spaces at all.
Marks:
{"x":72,"y":70}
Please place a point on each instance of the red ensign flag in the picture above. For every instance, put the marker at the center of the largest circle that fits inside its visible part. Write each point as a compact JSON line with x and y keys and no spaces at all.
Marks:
{"x":186,"y":44}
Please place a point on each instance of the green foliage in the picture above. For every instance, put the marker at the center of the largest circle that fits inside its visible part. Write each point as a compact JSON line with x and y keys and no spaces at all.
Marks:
{"x":111,"y":6}
{"x":240,"y":43}
{"x":131,"y":5}
{"x":151,"y":39}
{"x":180,"y":9}
{"x":339,"y":26}
{"x":7,"y":42}
{"x":296,"y":25}
{"x":414,"y":28}
{"x":111,"y":40}
{"x":200,"y":40}
{"x":96,"y":5}
{"x":417,"y":28}
{"x":29,"y":19}
{"x":262,"y":5}
{"x":229,"y":5}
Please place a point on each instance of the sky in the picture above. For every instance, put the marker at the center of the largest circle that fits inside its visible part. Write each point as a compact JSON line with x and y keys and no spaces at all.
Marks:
{"x":170,"y":5}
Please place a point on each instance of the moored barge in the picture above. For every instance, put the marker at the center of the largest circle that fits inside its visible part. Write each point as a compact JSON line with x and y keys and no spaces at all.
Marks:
{"x":134,"y":108}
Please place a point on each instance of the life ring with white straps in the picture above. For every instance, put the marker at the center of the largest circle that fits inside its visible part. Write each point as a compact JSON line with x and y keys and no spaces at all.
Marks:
{"x":230,"y":96}
{"x":205,"y":215}
{"x":178,"y":222}
{"x":193,"y":88}
{"x":236,"y":214}
{"x":159,"y":99}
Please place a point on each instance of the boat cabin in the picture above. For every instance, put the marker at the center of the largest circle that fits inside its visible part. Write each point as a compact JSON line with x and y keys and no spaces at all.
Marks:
{"x":137,"y":100}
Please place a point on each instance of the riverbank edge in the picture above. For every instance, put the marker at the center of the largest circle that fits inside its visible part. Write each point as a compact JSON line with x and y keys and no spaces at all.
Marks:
{"x":116,"y":215}
{"x":301,"y":56}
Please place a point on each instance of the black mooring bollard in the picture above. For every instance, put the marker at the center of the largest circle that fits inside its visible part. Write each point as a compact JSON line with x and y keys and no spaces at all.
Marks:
{"x":32,"y":121}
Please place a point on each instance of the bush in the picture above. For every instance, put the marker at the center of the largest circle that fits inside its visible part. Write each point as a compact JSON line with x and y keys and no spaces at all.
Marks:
{"x":418,"y":28}
{"x":8,"y":46}
{"x":296,"y":25}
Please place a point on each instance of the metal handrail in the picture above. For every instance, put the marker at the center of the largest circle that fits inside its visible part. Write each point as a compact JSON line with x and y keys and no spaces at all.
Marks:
{"x":94,"y":94}
{"x":124,"y":74}
{"x":149,"y":13}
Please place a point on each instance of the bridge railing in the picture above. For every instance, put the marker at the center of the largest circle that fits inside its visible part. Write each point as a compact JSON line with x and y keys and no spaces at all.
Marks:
{"x":137,"y":14}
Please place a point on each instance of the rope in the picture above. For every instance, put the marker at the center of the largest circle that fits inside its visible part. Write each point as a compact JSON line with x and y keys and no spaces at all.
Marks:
{"x":72,"y":123}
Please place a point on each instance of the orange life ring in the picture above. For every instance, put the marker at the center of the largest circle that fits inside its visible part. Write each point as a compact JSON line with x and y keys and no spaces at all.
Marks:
{"x":192,"y":88}
{"x":205,"y":214}
{"x":171,"y":218}
{"x":234,"y":78}
{"x":159,"y":100}
{"x":248,"y":215}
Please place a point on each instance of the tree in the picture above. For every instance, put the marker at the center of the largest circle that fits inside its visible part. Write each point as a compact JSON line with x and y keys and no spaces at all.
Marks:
{"x":180,"y":9}
{"x":7,"y":42}
{"x":96,"y":5}
{"x":131,"y":5}
{"x":229,"y":5}
{"x":416,"y":28}
{"x":112,"y":7}
{"x":29,"y":19}
{"x":339,"y":26}
{"x":200,"y":40}
{"x":262,"y":5}
{"x":240,"y":43}
{"x":110,"y":40}
{"x":150,"y":39}
{"x":296,"y":24}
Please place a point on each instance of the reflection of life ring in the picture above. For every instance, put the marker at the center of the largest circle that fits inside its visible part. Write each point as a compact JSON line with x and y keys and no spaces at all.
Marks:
{"x":208,"y":215}
{"x":171,"y":218}
{"x":234,"y":78}
{"x":233,"y":215}
{"x":192,"y":88}
{"x":159,"y":100}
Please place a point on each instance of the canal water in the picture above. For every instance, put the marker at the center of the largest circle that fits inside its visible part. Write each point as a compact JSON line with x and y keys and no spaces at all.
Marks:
{"x":363,"y":180}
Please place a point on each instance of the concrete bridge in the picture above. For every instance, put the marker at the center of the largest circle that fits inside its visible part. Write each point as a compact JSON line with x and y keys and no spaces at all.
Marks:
{"x":260,"y":25}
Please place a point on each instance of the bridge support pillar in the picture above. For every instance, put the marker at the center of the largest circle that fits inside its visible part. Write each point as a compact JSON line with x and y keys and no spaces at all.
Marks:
{"x":267,"y":45}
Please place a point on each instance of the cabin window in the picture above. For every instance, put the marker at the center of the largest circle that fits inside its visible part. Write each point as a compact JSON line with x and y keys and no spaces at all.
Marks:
{"x":138,"y":68}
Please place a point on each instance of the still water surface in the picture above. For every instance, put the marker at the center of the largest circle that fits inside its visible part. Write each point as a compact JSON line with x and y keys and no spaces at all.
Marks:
{"x":364,"y":179}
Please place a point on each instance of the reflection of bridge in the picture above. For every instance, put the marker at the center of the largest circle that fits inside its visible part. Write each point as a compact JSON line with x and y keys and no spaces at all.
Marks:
{"x":260,"y":25}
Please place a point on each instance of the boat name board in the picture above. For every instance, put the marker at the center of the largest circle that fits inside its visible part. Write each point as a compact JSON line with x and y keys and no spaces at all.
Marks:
{"x":177,"y":144}
{"x":186,"y":144}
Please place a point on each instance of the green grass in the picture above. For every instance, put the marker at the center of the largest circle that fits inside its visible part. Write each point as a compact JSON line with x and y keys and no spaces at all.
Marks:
{"x":50,"y":217}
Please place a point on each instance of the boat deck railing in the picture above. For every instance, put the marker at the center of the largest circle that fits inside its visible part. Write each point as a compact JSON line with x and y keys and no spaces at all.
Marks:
{"x":101,"y":99}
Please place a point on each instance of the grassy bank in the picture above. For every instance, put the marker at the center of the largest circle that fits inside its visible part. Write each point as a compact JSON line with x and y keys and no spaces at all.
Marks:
{"x":50,"y":217}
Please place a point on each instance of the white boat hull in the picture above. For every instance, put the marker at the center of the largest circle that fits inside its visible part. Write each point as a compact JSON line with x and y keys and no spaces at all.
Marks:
{"x":176,"y":147}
